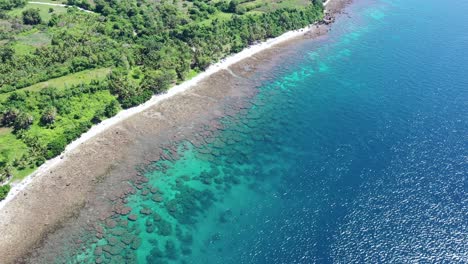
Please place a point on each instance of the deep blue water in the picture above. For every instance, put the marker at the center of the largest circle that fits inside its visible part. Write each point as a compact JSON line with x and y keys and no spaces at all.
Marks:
{"x":356,"y":151}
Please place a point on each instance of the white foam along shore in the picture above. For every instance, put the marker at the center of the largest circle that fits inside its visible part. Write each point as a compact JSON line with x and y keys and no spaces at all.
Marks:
{"x":124,"y":114}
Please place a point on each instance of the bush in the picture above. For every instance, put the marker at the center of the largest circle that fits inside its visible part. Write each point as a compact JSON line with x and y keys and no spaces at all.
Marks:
{"x":10,"y":4}
{"x":158,"y":81}
{"x":55,"y":147}
{"x":112,"y":109}
{"x":9,"y":116}
{"x":6,"y":53}
{"x":23,"y":121}
{"x":40,"y":160}
{"x":31,"y":16}
{"x":4,"y":190}
{"x":48,"y":117}
{"x":80,"y":64}
{"x":17,"y":119}
{"x":98,"y":116}
{"x":136,"y":99}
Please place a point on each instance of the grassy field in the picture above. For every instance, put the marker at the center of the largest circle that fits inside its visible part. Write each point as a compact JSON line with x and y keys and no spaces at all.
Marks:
{"x":271,"y":5}
{"x":12,"y":148}
{"x":34,"y":38}
{"x":83,"y":77}
{"x":43,"y":10}
{"x":28,"y":41}
{"x":218,"y":15}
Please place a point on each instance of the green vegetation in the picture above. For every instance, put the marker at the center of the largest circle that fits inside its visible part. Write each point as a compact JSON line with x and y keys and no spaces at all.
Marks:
{"x":67,"y":81}
{"x":63,"y":69}
{"x":10,"y":4}
{"x":44,"y":11}
{"x":31,"y":16}
{"x":4,"y":191}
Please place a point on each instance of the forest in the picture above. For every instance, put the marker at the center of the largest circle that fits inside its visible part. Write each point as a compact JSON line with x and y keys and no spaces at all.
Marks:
{"x":63,"y":69}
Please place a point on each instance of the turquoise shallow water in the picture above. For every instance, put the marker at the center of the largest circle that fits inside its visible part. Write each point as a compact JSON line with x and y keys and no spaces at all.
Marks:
{"x":355,"y":151}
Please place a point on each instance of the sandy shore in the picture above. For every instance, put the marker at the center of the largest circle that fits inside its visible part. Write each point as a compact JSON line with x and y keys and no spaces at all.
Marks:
{"x":66,"y":186}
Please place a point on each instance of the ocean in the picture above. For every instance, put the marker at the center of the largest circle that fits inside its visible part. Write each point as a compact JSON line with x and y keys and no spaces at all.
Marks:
{"x":354,"y":150}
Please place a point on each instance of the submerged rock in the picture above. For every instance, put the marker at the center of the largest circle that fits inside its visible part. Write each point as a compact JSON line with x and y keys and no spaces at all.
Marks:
{"x":127,"y":239}
{"x":171,"y":250}
{"x":133,"y":217}
{"x":98,"y":251}
{"x":125,"y":210}
{"x":136,"y":243}
{"x":112,"y":241}
{"x":111,"y":223}
{"x":146,"y":211}
{"x":157,"y":198}
{"x":156,"y":217}
{"x":150,"y":229}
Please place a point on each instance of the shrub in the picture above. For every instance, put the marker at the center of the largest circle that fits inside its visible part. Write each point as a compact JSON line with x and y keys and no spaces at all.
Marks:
{"x":9,"y":116}
{"x":10,"y":4}
{"x":112,"y":109}
{"x":158,"y":81}
{"x":48,"y":117}
{"x":136,"y":98}
{"x":31,"y":16}
{"x":4,"y":190}
{"x":55,"y":147}
{"x":40,"y":160}
{"x":19,"y":120}
{"x":98,"y":116}
{"x":23,"y":121}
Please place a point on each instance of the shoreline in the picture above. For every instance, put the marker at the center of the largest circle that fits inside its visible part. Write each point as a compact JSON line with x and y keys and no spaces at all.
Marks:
{"x":100,"y":163}
{"x":97,"y":129}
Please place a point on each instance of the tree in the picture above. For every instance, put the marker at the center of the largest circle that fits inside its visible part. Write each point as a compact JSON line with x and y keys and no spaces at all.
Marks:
{"x":317,"y":2}
{"x":53,"y":21}
{"x":4,"y":190}
{"x":31,"y":16}
{"x":5,"y":172}
{"x":9,"y":116}
{"x":98,"y":116}
{"x":55,"y":147}
{"x":48,"y":116}
{"x":6,"y":53}
{"x":10,"y":4}
{"x":158,"y":81}
{"x":23,"y":121}
{"x":112,"y":109}
{"x":232,"y":6}
{"x":80,"y":64}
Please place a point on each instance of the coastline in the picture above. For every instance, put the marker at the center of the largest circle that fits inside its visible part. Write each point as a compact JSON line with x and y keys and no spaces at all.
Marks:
{"x":100,"y":131}
{"x":155,"y":99}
